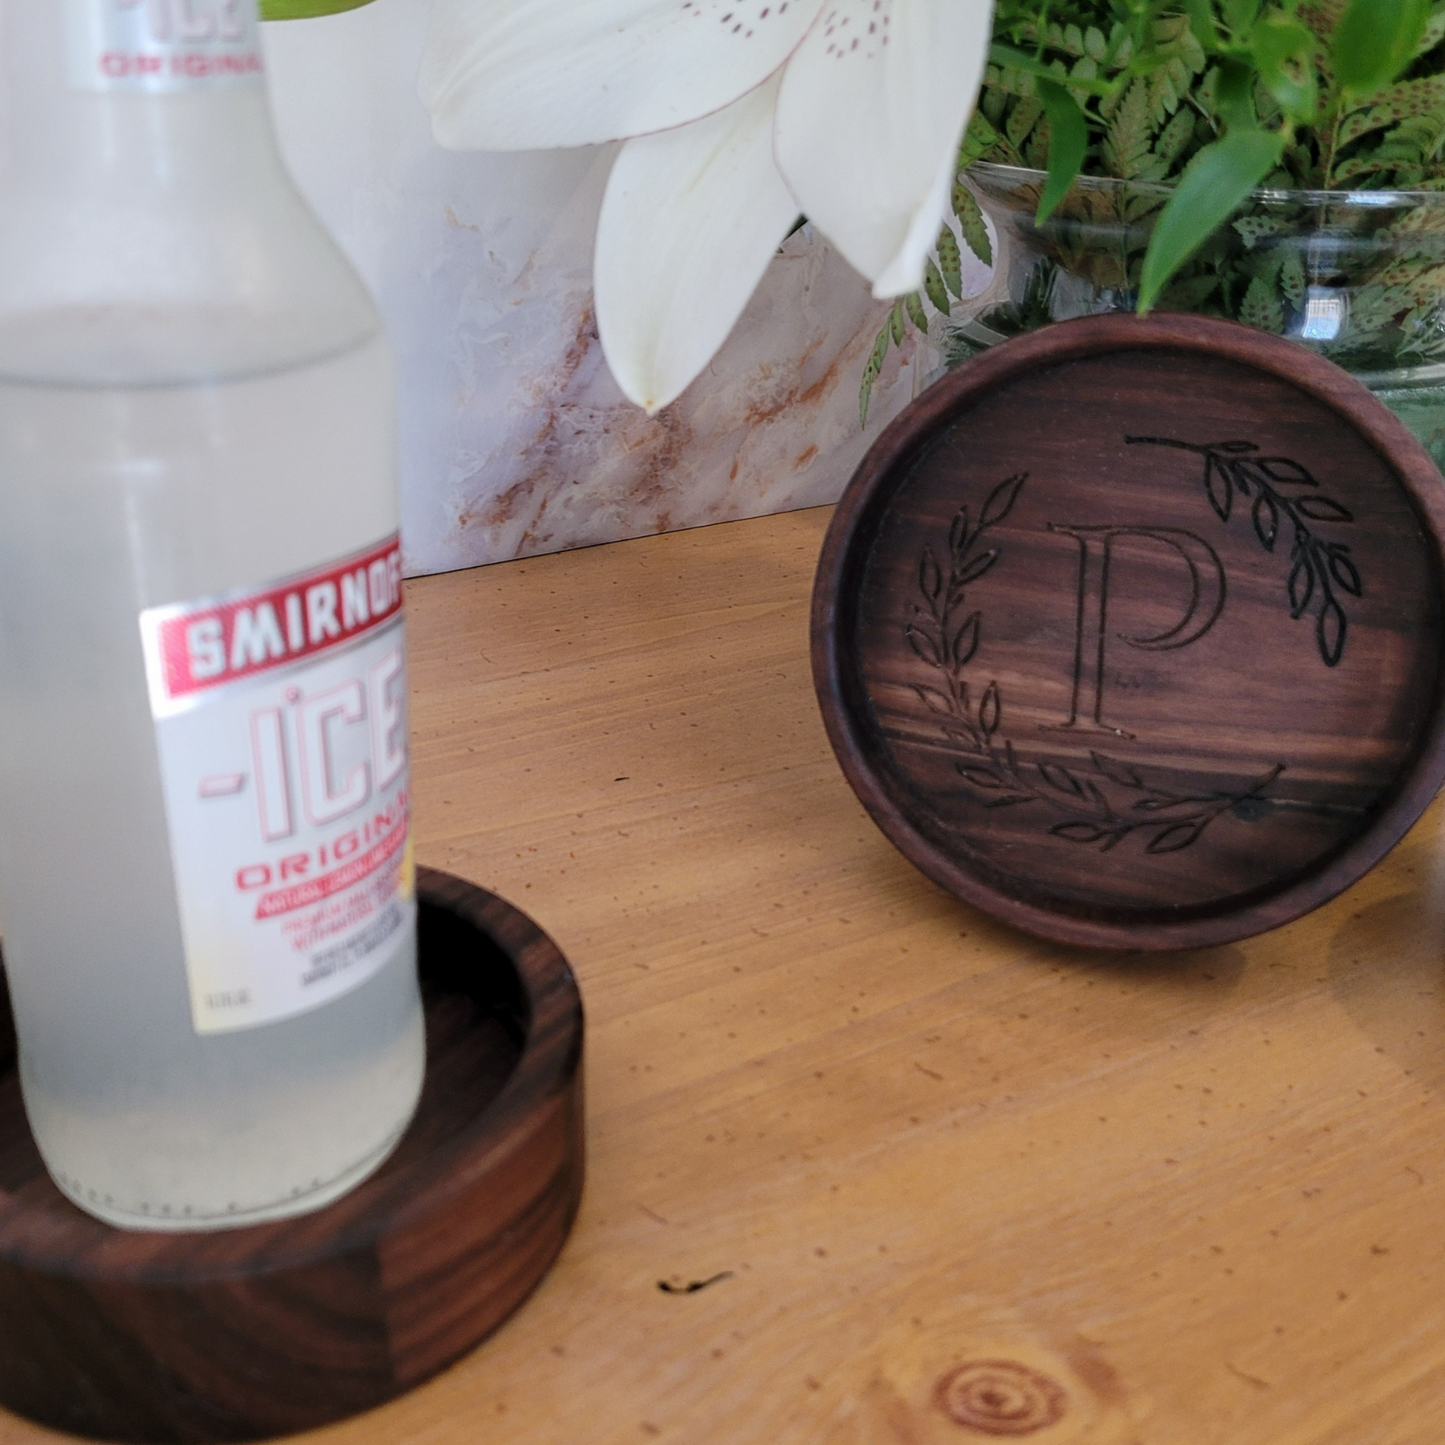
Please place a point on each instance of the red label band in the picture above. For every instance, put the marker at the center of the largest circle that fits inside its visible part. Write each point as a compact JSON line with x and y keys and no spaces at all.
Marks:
{"x":210,"y":644}
{"x":180,"y":65}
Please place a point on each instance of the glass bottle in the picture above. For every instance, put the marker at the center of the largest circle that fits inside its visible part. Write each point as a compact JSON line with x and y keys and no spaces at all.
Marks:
{"x":205,"y":879}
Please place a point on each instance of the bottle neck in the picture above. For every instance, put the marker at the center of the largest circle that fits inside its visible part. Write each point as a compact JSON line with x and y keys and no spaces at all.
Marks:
{"x":112,"y":95}
{"x":160,"y":46}
{"x":148,"y":228}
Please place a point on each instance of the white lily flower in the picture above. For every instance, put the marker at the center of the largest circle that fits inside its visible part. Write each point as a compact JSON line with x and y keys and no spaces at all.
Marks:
{"x":738,"y":115}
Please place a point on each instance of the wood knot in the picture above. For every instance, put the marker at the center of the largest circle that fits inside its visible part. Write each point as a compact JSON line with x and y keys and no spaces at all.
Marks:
{"x":1000,"y":1397}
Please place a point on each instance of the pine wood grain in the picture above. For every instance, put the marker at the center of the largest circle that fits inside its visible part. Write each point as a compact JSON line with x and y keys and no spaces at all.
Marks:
{"x":1202,"y":1194}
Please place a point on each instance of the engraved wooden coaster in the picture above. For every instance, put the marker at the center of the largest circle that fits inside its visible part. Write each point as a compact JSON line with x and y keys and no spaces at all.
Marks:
{"x":1129,"y":631}
{"x":268,"y":1330}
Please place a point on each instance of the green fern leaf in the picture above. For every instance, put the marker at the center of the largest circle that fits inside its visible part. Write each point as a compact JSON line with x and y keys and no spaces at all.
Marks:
{"x":1434,"y":34}
{"x":1168,"y":29}
{"x":1174,"y":138}
{"x":1425,"y":96}
{"x":1188,"y":293}
{"x":1292,"y":280}
{"x":1126,"y":143}
{"x":880,"y":346}
{"x":1321,"y":16}
{"x":1357,"y":169}
{"x":1121,"y":47}
{"x":1262,"y":308}
{"x":1163,"y":97}
{"x":1254,"y":229}
{"x":1191,"y":52}
{"x":873,"y":368}
{"x":1265,"y":265}
{"x":933,"y":286}
{"x":1013,"y":82}
{"x":978,"y":140}
{"x":971,"y":223}
{"x":1206,"y":94}
{"x":1023,"y":118}
{"x":913,"y":304}
{"x":1375,"y":307}
{"x":950,"y":261}
{"x":1036,"y":151}
{"x":865,"y":395}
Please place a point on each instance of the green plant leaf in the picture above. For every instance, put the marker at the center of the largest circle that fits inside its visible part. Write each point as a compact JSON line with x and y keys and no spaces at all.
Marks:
{"x":1006,"y":55}
{"x":1201,"y":21}
{"x":1240,"y":15}
{"x":1068,"y":145}
{"x":1283,"y":50}
{"x":1234,"y":95}
{"x":1375,"y":40}
{"x":1212,"y":186}
{"x":306,"y":9}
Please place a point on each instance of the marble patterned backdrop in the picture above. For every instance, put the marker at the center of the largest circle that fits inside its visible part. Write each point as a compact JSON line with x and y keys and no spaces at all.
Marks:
{"x":514,"y":438}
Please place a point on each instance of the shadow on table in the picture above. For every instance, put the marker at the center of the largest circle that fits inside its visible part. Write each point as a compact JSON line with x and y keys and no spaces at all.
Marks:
{"x":1387,"y":969}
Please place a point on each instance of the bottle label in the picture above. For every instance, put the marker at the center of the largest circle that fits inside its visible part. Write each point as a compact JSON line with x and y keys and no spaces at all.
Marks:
{"x":160,"y":45}
{"x":280,"y":718}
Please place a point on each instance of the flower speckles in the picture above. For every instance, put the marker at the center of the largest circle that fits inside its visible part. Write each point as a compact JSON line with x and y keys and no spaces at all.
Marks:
{"x":845,"y":39}
{"x":732,"y":17}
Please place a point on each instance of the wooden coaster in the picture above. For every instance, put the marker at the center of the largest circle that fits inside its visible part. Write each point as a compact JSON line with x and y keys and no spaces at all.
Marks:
{"x":263,"y":1331}
{"x":1129,"y":631}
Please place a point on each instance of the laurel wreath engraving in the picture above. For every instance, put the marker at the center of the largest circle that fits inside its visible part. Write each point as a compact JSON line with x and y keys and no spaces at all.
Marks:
{"x":1316,"y":566}
{"x":946,"y":635}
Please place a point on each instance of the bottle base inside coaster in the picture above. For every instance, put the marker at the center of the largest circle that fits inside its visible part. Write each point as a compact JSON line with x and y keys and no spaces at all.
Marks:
{"x":179,"y":1219}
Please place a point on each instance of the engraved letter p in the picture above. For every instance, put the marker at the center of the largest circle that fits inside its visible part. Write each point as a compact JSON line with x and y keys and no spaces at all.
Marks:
{"x":1207,"y":589}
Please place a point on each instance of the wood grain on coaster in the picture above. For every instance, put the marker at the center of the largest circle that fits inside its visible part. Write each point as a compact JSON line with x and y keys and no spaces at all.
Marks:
{"x":262,"y":1331}
{"x":1130,"y":631}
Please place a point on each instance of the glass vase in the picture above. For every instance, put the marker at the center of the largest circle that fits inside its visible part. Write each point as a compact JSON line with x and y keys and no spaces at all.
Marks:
{"x":1357,"y":276}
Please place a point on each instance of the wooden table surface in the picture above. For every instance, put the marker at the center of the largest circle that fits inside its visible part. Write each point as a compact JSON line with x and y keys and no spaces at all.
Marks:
{"x":922,"y":1165}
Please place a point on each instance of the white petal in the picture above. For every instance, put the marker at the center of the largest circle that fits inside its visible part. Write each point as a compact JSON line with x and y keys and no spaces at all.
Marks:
{"x":691,"y":219}
{"x":532,"y":74}
{"x":871,"y":112}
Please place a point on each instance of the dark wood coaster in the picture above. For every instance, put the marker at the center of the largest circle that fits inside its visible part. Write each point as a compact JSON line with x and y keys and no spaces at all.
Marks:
{"x":1129,"y":631}
{"x":267,"y":1330}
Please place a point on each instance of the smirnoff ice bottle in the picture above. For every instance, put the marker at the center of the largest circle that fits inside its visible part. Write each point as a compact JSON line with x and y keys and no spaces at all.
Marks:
{"x":206,"y":888}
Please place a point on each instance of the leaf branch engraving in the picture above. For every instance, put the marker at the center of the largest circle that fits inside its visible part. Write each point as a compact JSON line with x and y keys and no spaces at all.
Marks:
{"x":1317,"y":567}
{"x":945,"y":635}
